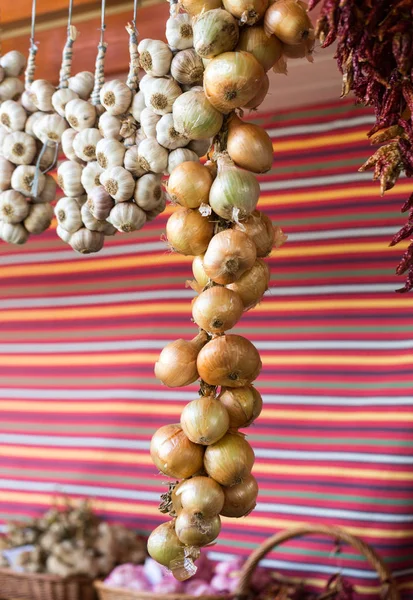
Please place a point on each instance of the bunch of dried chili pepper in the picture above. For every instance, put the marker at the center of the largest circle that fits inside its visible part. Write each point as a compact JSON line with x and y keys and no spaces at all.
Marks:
{"x":375,"y":55}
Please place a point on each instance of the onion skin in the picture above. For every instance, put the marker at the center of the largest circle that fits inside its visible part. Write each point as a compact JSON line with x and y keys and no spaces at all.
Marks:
{"x":195,"y":7}
{"x":303,"y":50}
{"x":205,"y":420}
{"x":229,"y":255}
{"x":164,"y":545}
{"x":260,"y":95}
{"x":288,"y":20}
{"x":199,"y":271}
{"x":252,"y":285}
{"x":267,"y":50}
{"x":240,"y":499}
{"x":217,"y":309}
{"x":175,"y":455}
{"x":243,"y":405}
{"x":230,"y":361}
{"x":247,"y":11}
{"x":230,"y":460}
{"x":201,"y":495}
{"x":193,"y":530}
{"x":260,"y":229}
{"x":215,"y":31}
{"x":249,"y":146}
{"x":189,"y":184}
{"x":176,"y":365}
{"x":188,"y":232}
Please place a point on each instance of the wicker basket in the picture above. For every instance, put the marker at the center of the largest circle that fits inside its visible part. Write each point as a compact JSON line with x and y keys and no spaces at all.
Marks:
{"x":389,"y":589}
{"x":40,"y":586}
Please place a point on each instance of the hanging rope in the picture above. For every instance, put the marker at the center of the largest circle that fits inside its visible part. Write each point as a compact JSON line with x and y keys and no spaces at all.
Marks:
{"x":100,"y":60}
{"x":66,"y":68}
{"x":133,"y":75}
{"x":31,"y":63}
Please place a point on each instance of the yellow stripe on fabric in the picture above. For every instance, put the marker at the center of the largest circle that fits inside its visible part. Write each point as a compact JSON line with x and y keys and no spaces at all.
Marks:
{"x":319,"y":141}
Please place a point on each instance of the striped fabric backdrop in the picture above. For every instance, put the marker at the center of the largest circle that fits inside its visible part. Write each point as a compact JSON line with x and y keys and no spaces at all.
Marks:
{"x":79,"y":337}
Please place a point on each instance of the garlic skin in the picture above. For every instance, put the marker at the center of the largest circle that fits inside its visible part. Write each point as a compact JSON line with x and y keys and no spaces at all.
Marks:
{"x":27,"y":103}
{"x":215,"y":31}
{"x":180,"y":155}
{"x":138,"y":103}
{"x":13,"y":63}
{"x":179,"y":31}
{"x":13,"y":233}
{"x":132,"y":162}
{"x":3,"y":135}
{"x":19,"y":148}
{"x":166,"y":134}
{"x":148,"y":191}
{"x":100,"y":203}
{"x":119,"y":183}
{"x":116,"y":97}
{"x":85,"y":241}
{"x":33,"y":118}
{"x":39,"y":218}
{"x":110,"y":126}
{"x":127,"y":217}
{"x":90,"y":178}
{"x":93,"y":224}
{"x":68,"y":215}
{"x":60,"y":98}
{"x":195,"y":117}
{"x":63,"y":234}
{"x":49,"y":191}
{"x":11,"y":88}
{"x":49,"y":129}
{"x":161,"y":94}
{"x":12,"y":116}
{"x":159,"y":208}
{"x":40,"y":93}
{"x":14,"y":207}
{"x":152,"y":156}
{"x":85,"y":142}
{"x":187,"y":67}
{"x":82,"y":84}
{"x":68,"y":137}
{"x":23,"y":178}
{"x":80,"y":114}
{"x":69,"y":176}
{"x":110,"y":153}
{"x":155,"y":57}
{"x":149,"y":120}
{"x":6,"y":171}
{"x":145,"y":82}
{"x":200,"y":147}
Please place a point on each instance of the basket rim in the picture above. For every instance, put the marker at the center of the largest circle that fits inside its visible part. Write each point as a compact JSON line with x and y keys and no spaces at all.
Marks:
{"x":100,"y":585}
{"x":6,"y":571}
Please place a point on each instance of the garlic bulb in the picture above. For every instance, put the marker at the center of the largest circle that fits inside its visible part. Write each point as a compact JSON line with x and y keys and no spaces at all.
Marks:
{"x":126,"y":217}
{"x":90,"y":177}
{"x":179,"y":31}
{"x":110,"y":153}
{"x":13,"y":233}
{"x":152,"y":156}
{"x":67,"y":213}
{"x":60,"y":98}
{"x":154,"y":57}
{"x":110,"y":126}
{"x":187,"y":67}
{"x":29,"y":125}
{"x":19,"y":148}
{"x":100,"y":203}
{"x":11,"y":88}
{"x":145,"y":82}
{"x":149,"y":121}
{"x":159,"y":208}
{"x":148,"y":191}
{"x":14,"y":207}
{"x":161,"y":94}
{"x":13,"y":63}
{"x":82,"y":84}
{"x":49,"y":191}
{"x":49,"y":129}
{"x":63,"y":234}
{"x":2,"y":74}
{"x":23,"y":178}
{"x":215,"y":31}
{"x":132,"y":162}
{"x":81,"y":200}
{"x":85,"y":241}
{"x":80,"y":114}
{"x":69,"y":176}
{"x":39,"y":218}
{"x":67,"y":144}
{"x":6,"y":171}
{"x":3,"y":135}
{"x":195,"y":117}
{"x":85,"y":142}
{"x":94,"y":224}
{"x":27,"y":103}
{"x":41,"y":92}
{"x":12,"y":116}
{"x":119,"y":183}
{"x":138,"y":103}
{"x":200,"y":147}
{"x":166,"y":134}
{"x":116,"y":97}
{"x":180,"y":155}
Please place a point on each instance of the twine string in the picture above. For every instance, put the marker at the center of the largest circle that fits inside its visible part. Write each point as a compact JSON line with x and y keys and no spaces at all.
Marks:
{"x":133,"y":76}
{"x":72,"y":33}
{"x":100,"y":60}
{"x":31,"y":62}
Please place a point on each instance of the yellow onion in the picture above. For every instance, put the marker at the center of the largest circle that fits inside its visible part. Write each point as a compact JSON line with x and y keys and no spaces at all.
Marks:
{"x":303,"y":50}
{"x":260,"y":229}
{"x":215,"y":32}
{"x":243,"y":405}
{"x":230,"y":460}
{"x":199,"y":272}
{"x":249,"y":146}
{"x":229,"y":255}
{"x":267,"y":50}
{"x":247,"y":11}
{"x":260,"y":95}
{"x":195,"y":7}
{"x":176,"y":365}
{"x":195,"y":530}
{"x":188,"y":232}
{"x":201,"y":495}
{"x":240,"y":499}
{"x":175,"y":455}
{"x":231,"y":80}
{"x":189,"y":184}
{"x":212,"y":168}
{"x":205,"y":420}
{"x":217,"y":309}
{"x":234,"y":193}
{"x":194,"y":116}
{"x":164,"y":545}
{"x":230,"y":361}
{"x":289,"y":21}
{"x":253,"y":284}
